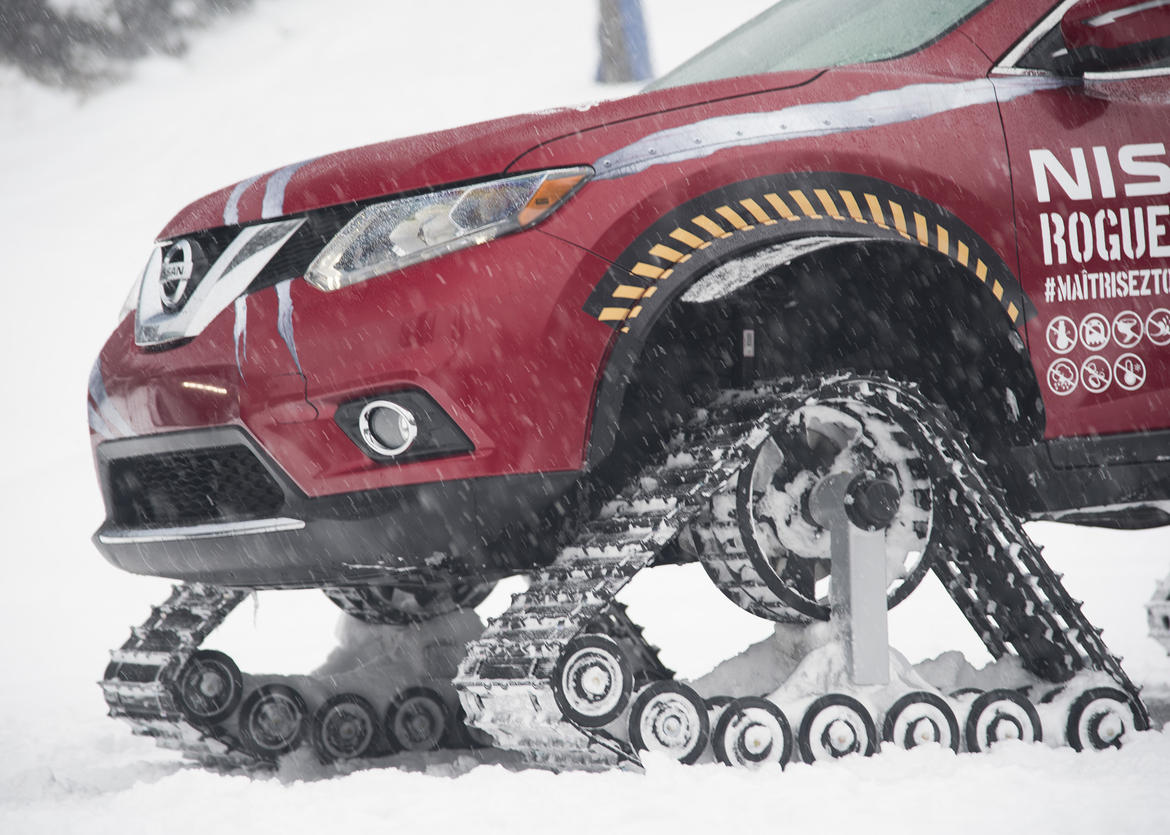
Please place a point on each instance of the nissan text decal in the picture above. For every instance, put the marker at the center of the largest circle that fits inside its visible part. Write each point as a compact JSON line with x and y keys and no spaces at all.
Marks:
{"x":1101,"y":253}
{"x":1122,"y":237}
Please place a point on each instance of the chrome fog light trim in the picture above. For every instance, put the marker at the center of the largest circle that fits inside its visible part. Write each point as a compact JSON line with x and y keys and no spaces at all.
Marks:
{"x":390,"y":439}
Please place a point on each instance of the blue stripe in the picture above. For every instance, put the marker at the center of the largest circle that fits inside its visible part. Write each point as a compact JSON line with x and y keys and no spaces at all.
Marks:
{"x":634,"y":36}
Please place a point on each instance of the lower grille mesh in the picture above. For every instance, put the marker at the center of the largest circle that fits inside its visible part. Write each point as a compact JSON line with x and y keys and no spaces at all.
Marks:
{"x":191,"y":487}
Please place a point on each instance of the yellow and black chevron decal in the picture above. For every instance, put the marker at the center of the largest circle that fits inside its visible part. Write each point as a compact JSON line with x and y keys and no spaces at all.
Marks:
{"x":768,"y":210}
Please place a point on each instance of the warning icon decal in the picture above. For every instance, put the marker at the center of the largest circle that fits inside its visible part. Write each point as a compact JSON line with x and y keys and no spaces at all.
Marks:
{"x":1130,"y":372}
{"x":1127,"y":329}
{"x":1062,"y":377}
{"x":1095,"y":332}
{"x":1096,"y":375}
{"x":1062,"y":335}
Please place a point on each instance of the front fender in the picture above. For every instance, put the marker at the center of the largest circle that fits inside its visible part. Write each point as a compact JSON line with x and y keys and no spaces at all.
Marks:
{"x":788,"y":215}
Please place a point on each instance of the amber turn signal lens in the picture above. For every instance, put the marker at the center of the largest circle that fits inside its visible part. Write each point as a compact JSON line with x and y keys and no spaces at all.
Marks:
{"x":551,"y":192}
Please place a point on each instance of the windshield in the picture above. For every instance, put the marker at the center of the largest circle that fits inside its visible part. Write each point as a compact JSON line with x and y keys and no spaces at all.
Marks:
{"x":811,"y":34}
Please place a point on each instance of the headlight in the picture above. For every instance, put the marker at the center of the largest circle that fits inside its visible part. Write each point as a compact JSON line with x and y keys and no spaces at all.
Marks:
{"x":392,"y":235}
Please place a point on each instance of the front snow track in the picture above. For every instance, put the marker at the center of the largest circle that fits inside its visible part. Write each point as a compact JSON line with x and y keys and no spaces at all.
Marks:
{"x":986,"y":561}
{"x":565,"y":678}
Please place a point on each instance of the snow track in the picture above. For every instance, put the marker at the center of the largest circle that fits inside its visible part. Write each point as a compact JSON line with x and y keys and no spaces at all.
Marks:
{"x":991,"y":568}
{"x":511,"y":682}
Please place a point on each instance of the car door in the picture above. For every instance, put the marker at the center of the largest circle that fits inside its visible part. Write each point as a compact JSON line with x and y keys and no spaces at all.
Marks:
{"x":1090,"y":162}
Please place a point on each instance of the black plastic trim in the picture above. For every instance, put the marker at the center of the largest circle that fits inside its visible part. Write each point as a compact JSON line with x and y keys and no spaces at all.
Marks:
{"x":430,"y":532}
{"x":1104,"y":481}
{"x":438,"y":435}
{"x":1105,"y":450}
{"x":627,"y":348}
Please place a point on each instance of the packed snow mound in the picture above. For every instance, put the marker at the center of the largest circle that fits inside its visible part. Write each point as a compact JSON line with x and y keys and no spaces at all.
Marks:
{"x":825,"y":669}
{"x":799,"y":659}
{"x":431,"y":648}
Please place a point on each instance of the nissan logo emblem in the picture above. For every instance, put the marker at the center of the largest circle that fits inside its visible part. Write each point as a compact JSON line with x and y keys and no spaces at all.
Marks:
{"x":178,"y":267}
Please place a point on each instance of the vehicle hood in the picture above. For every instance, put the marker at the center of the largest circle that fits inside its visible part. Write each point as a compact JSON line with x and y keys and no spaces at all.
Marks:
{"x":461,"y":154}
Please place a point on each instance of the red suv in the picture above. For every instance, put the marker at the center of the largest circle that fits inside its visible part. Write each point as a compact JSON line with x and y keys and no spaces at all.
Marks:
{"x":403,"y":371}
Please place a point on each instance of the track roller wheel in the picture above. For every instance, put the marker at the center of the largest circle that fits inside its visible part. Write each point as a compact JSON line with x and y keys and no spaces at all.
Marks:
{"x":344,"y":728}
{"x":1100,"y":718}
{"x":209,"y":687}
{"x":272,"y":721}
{"x":592,"y":681}
{"x":921,"y":718}
{"x":416,"y":720}
{"x":669,"y":717}
{"x":999,"y":715}
{"x":834,"y":726}
{"x":752,"y":732}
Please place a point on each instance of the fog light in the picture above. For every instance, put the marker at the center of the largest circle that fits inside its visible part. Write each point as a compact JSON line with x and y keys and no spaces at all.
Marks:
{"x":387,"y":428}
{"x":400,"y":426}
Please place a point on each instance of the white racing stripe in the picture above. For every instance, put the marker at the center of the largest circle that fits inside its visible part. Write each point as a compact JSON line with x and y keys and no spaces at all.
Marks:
{"x":1118,"y":14}
{"x":274,"y":189}
{"x":110,"y":416}
{"x":284,"y":320}
{"x":98,"y":425}
{"x":240,"y":333}
{"x":887,"y":107}
{"x":231,"y":211}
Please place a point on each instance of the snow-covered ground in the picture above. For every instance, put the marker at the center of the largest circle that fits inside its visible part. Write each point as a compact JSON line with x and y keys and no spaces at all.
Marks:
{"x":86,"y":184}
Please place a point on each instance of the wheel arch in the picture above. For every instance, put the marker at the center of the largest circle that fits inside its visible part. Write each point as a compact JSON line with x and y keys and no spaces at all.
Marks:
{"x":742,"y":244}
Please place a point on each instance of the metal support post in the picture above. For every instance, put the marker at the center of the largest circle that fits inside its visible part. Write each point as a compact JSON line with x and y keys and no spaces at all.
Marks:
{"x":856,"y":509}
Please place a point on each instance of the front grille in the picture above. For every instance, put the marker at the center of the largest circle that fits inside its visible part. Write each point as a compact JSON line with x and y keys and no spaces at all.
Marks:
{"x":191,"y":487}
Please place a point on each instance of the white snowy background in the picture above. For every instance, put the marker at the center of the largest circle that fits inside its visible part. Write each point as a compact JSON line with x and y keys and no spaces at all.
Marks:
{"x":87,"y":182}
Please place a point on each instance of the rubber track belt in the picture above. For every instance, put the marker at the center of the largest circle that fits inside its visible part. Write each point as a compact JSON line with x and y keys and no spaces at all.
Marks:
{"x":140,"y":682}
{"x":987,"y":562}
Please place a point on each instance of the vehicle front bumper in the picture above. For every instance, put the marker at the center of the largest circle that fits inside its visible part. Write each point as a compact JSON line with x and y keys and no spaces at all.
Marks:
{"x":438,"y":531}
